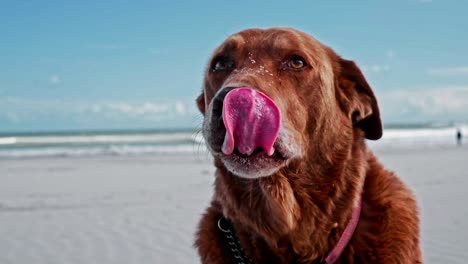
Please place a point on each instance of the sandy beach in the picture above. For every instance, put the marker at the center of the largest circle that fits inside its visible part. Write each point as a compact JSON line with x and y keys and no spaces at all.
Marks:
{"x":144,"y":209}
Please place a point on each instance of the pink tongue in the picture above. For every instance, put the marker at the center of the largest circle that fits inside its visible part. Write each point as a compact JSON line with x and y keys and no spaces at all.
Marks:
{"x":251,"y":119}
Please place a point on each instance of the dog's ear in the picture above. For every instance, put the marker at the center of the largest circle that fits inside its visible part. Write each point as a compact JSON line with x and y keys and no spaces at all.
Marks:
{"x":358,"y":100}
{"x":201,"y":102}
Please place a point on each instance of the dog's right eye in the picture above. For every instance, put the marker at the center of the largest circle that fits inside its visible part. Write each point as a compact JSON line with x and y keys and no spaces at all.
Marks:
{"x":295,"y":63}
{"x":222,"y":64}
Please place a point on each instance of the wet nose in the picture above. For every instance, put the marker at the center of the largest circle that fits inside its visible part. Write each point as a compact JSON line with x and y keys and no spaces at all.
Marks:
{"x":217,"y":101}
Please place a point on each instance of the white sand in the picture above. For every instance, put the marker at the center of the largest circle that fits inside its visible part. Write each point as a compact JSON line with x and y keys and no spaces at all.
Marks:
{"x":145,"y":209}
{"x":439,"y":178}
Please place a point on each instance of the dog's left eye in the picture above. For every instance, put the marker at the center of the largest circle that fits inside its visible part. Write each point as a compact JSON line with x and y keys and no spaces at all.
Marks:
{"x":296,"y":63}
{"x":222,"y":64}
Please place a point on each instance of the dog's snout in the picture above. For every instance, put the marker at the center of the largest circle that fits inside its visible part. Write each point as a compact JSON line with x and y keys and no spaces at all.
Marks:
{"x":215,"y":129}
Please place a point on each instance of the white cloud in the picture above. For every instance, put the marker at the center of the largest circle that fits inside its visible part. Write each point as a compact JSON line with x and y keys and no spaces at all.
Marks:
{"x":376,"y":68}
{"x":138,"y":109}
{"x":95,"y":108}
{"x":443,"y":103}
{"x":13,"y":117}
{"x":49,"y":114}
{"x":391,"y":54}
{"x":449,"y":71}
{"x":55,"y":79}
{"x":12,"y":106}
{"x":180,"y":107}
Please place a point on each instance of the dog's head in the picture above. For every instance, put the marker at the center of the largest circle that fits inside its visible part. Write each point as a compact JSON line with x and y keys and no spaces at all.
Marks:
{"x":277,"y":95}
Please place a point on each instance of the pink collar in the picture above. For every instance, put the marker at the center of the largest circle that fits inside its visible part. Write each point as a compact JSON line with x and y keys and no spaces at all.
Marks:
{"x":225,"y":226}
{"x":346,"y":236}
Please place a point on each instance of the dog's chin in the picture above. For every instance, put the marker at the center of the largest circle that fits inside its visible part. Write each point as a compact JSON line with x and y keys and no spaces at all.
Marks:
{"x":254,"y":166}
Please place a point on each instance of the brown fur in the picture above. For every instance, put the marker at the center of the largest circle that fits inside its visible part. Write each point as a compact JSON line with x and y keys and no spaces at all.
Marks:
{"x":298,"y":214}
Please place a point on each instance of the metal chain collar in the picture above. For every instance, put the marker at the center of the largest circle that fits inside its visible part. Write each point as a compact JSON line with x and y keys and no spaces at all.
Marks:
{"x":233,"y":242}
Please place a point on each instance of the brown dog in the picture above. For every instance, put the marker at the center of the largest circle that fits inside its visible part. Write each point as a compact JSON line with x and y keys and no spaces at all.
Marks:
{"x":285,"y":118}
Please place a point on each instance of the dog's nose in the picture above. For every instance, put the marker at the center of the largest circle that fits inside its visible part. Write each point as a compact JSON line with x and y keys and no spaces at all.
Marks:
{"x":217,"y":101}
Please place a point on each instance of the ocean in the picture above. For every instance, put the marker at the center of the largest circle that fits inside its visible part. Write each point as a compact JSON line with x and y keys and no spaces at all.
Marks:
{"x":187,"y":141}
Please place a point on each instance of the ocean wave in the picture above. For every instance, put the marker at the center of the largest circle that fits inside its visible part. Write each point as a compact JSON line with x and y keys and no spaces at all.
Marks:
{"x":90,"y":139}
{"x":418,"y":138}
{"x":183,"y":142}
{"x":101,"y":151}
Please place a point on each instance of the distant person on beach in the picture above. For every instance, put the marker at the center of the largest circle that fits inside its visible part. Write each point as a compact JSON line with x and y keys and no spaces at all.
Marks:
{"x":459,"y":137}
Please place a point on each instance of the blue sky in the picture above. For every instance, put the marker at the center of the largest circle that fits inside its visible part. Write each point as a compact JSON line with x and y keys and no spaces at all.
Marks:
{"x":68,"y":65}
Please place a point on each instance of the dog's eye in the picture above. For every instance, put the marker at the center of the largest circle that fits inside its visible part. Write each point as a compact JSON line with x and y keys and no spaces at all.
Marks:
{"x":222,"y":64}
{"x":296,"y":63}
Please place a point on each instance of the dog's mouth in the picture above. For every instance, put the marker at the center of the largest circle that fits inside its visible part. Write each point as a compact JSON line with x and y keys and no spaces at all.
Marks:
{"x":256,"y":164}
{"x":252,"y":146}
{"x":280,"y":154}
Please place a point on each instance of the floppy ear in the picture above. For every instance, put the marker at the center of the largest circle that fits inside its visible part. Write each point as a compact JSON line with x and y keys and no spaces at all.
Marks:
{"x":201,"y":102}
{"x":358,"y":100}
